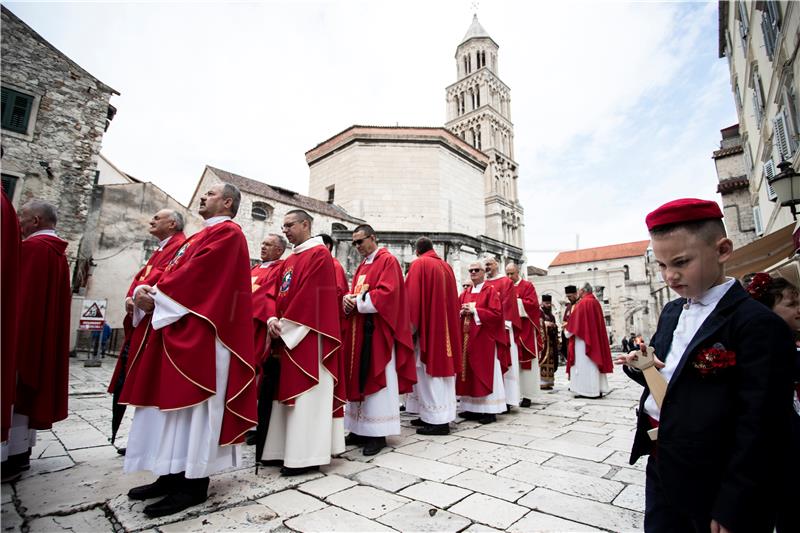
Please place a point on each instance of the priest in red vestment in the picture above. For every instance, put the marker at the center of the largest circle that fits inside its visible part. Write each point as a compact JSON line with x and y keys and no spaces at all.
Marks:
{"x":193,"y":381}
{"x":304,"y":322}
{"x":378,"y":345}
{"x":342,"y":288}
{"x":9,"y":315}
{"x":529,"y":341}
{"x":589,"y":356}
{"x":166,"y":226}
{"x":480,"y":378}
{"x":263,"y":277}
{"x":42,"y":356}
{"x":509,"y":351}
{"x":433,"y":305}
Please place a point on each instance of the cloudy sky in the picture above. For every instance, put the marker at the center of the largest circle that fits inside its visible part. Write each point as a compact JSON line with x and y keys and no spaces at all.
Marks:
{"x":616,"y":106}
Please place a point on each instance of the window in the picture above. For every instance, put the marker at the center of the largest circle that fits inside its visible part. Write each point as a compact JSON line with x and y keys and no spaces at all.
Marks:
{"x":9,"y":184}
{"x":16,"y":110}
{"x":331,"y":192}
{"x":770,"y":26}
{"x":757,"y":222}
{"x":769,"y":172}
{"x":627,"y":272}
{"x":738,"y":96}
{"x":781,"y":138}
{"x":744,"y":23}
{"x":261,"y":211}
{"x":758,"y":97}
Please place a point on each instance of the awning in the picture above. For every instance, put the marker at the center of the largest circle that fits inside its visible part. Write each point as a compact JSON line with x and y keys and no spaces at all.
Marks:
{"x":762,"y":253}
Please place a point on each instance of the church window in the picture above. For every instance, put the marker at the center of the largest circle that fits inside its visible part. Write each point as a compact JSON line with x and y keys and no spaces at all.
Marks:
{"x":478,"y":138}
{"x":16,"y":110}
{"x":336,"y":226}
{"x":466,"y":64}
{"x":627,"y":272}
{"x":478,"y":97}
{"x":261,"y":211}
{"x":331,"y":191}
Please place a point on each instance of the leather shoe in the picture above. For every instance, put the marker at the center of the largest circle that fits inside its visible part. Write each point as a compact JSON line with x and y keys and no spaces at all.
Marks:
{"x":250,"y":438}
{"x":468,"y":415}
{"x":374,"y":445}
{"x":160,"y":487}
{"x":11,"y":472}
{"x":434,"y":429}
{"x":418,"y":423}
{"x":271,"y":462}
{"x":288,"y":471}
{"x":487,"y":419}
{"x":525,"y":403}
{"x":353,"y":439}
{"x":189,"y":492}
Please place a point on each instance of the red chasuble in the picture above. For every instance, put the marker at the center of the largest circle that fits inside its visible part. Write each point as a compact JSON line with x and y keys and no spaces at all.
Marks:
{"x":44,"y":327}
{"x":476,"y":375}
{"x":508,"y":299}
{"x":530,"y":335}
{"x":384,"y":280}
{"x":9,"y":312}
{"x":262,"y":282}
{"x":341,"y":289}
{"x":176,"y":368}
{"x":586,"y":321}
{"x":149,"y":274}
{"x":433,"y":305}
{"x":306,"y":294}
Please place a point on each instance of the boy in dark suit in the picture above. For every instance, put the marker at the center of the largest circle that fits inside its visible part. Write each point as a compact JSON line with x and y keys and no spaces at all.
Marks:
{"x":723,"y":424}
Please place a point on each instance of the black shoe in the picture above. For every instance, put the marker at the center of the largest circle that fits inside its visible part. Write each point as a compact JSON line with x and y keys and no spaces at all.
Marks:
{"x":525,"y":403}
{"x":288,"y":471}
{"x":121,"y":451}
{"x":402,"y":408}
{"x":353,"y":439}
{"x":487,"y":419}
{"x":374,"y":445}
{"x":250,"y":438}
{"x":434,"y":429}
{"x":508,"y":409}
{"x":468,"y":415}
{"x":11,"y":471}
{"x":187,"y":493}
{"x":160,"y":487}
{"x":418,"y":423}
{"x":271,"y":462}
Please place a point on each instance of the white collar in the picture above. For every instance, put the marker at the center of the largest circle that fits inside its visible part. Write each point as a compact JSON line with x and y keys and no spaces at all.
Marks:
{"x":517,"y":283}
{"x":713,"y":295}
{"x":50,"y":232}
{"x":496,"y":277}
{"x":310,"y":243}
{"x":163,"y":243}
{"x":266,"y":264}
{"x":371,"y":257}
{"x":477,"y":288}
{"x":213,"y":221}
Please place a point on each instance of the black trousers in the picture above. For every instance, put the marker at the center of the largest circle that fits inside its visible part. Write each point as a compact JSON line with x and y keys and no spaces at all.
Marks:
{"x":660,"y":516}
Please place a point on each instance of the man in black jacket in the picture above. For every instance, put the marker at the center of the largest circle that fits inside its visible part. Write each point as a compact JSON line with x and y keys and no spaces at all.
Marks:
{"x":723,"y":425}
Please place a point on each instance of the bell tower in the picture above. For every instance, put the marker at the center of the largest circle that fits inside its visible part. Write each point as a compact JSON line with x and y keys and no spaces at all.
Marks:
{"x":479,"y":111}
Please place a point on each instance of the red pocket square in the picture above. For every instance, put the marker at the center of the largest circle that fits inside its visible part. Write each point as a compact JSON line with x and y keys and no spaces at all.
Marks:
{"x":711,"y":360}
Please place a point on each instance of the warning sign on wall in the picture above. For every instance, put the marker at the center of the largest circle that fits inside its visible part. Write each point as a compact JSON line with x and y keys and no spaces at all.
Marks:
{"x":93,"y":315}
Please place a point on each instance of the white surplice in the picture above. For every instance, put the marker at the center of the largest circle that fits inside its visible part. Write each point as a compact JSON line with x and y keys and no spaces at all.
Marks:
{"x":433,"y":398}
{"x":183,"y":440}
{"x":305,"y":434}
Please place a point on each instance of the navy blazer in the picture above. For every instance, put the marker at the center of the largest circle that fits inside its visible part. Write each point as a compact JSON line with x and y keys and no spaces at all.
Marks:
{"x":722,"y":437}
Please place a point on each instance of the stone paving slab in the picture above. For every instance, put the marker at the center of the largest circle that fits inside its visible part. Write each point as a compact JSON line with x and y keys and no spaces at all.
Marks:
{"x":417,"y":516}
{"x":489,"y":511}
{"x":537,"y":469}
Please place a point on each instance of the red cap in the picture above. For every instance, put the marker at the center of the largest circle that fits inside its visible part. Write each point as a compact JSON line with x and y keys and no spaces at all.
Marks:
{"x":683,"y":210}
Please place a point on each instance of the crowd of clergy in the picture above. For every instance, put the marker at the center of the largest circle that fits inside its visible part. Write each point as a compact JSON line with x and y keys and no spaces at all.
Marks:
{"x":287,"y":355}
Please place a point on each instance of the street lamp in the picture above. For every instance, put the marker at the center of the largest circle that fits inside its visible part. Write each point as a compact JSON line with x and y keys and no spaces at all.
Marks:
{"x":787,"y":186}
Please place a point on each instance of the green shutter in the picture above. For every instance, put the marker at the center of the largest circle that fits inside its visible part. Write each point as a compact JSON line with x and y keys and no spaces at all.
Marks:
{"x":16,"y":110}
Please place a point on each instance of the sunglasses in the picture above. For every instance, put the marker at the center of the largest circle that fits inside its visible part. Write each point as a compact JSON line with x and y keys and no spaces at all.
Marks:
{"x":473,"y":270}
{"x":357,"y":242}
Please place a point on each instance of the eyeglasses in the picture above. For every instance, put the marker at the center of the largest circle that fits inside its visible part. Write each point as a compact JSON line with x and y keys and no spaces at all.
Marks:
{"x":288,"y":225}
{"x":473,"y":270}
{"x":357,"y":242}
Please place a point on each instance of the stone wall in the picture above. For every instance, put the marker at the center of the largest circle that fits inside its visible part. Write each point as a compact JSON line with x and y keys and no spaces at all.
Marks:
{"x":56,"y":160}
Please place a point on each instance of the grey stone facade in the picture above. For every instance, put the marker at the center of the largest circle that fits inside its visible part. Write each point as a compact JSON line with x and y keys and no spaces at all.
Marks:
{"x":55,"y":159}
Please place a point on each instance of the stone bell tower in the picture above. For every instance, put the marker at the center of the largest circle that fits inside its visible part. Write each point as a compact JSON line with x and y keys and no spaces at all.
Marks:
{"x":479,"y":111}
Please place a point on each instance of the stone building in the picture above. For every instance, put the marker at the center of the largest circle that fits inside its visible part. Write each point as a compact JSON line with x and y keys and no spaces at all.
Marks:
{"x":623,"y":279}
{"x":263,"y":207}
{"x":456,"y":185}
{"x":54,"y":115}
{"x":760,"y":40}
{"x":734,"y":187}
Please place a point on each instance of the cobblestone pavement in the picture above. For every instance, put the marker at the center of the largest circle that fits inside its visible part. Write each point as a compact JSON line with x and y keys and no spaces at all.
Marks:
{"x":560,"y":465}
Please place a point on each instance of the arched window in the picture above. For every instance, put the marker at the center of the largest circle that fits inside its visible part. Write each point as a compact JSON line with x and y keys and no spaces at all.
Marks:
{"x":261,"y":211}
{"x":336,"y":226}
{"x":627,"y":272}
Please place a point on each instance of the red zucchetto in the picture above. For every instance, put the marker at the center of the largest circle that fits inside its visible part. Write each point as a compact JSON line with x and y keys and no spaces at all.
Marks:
{"x":683,"y":210}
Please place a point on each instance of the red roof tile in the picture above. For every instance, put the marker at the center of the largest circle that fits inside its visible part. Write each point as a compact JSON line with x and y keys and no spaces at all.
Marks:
{"x":601,"y":253}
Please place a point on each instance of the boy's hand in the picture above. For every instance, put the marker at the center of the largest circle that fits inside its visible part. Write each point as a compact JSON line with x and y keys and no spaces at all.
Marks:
{"x":632,"y":358}
{"x":716,"y":527}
